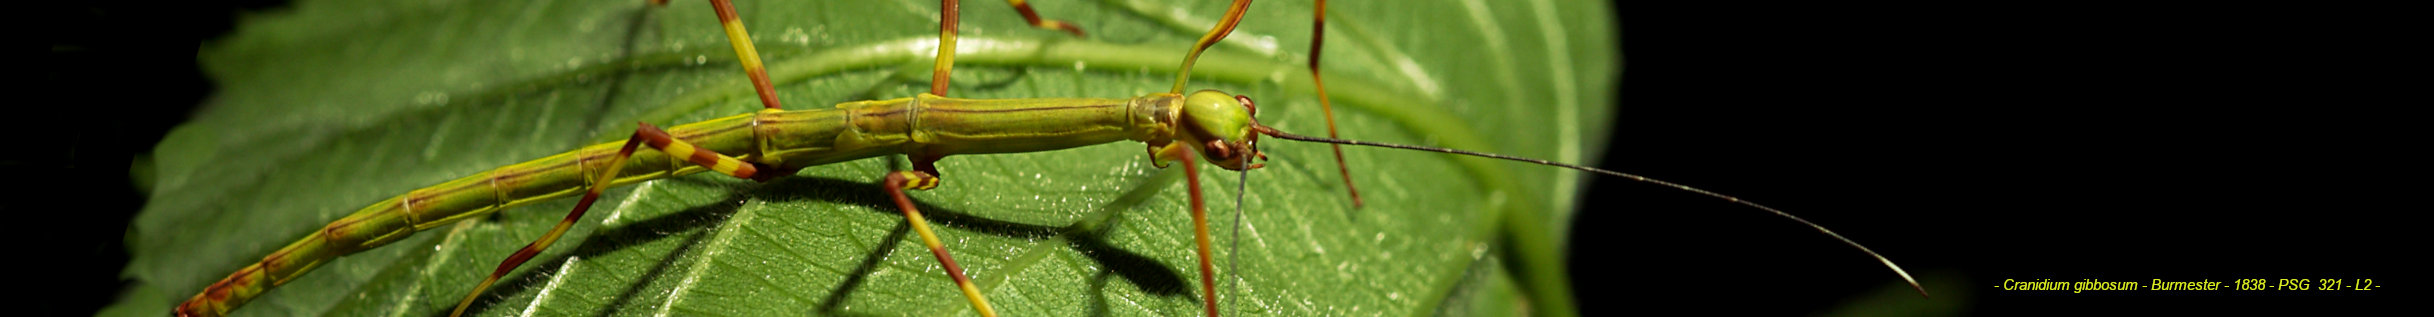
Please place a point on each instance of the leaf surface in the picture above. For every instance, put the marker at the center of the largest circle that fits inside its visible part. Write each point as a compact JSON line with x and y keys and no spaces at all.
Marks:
{"x":332,"y":105}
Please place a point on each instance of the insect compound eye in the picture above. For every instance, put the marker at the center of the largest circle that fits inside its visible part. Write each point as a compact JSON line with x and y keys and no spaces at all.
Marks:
{"x":1246,"y":104}
{"x":1219,"y":150}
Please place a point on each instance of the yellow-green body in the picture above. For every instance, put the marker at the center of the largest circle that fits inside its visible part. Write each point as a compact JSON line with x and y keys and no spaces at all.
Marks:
{"x":926,"y":125}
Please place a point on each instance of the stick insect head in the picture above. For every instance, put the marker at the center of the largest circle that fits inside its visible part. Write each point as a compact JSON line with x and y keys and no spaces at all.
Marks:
{"x":1219,"y":126}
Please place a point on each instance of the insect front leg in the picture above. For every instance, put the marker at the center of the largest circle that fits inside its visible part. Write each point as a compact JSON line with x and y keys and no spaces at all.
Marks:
{"x":1178,"y":152}
{"x":1034,"y":18}
{"x":1318,"y":34}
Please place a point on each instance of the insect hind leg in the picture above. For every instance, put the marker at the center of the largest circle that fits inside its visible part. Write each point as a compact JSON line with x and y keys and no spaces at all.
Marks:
{"x":744,"y":53}
{"x":646,"y":134}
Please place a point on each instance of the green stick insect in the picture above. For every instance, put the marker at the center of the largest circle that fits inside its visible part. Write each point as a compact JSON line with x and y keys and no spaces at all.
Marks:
{"x":1012,"y":242}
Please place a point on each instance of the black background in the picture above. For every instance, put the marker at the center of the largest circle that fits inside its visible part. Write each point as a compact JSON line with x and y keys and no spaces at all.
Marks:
{"x":2062,"y":141}
{"x":117,"y":75}
{"x":1970,"y":143}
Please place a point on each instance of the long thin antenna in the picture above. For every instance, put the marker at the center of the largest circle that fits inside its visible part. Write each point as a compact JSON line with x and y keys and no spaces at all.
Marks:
{"x":1233,"y":267}
{"x":1897,"y":269}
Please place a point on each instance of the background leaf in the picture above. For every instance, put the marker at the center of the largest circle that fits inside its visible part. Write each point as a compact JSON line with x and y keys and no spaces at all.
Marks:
{"x":328,"y":106}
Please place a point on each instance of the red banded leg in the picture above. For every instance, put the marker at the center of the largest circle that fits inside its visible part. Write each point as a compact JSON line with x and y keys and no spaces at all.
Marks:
{"x":1318,"y":32}
{"x":1182,"y":153}
{"x":727,"y":19}
{"x":1036,"y":21}
{"x":647,"y":134}
{"x":924,"y":177}
{"x":1318,"y":26}
{"x":948,"y":12}
{"x":657,"y":139}
{"x":1178,"y":152}
{"x":1233,"y":15}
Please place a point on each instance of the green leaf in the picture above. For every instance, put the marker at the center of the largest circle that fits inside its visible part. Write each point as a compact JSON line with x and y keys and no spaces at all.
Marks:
{"x":332,"y":105}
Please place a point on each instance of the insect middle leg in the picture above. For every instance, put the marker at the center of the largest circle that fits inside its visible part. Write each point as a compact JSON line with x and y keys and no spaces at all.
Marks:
{"x":950,"y":12}
{"x":924,"y":176}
